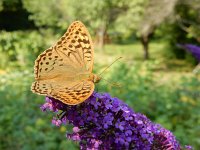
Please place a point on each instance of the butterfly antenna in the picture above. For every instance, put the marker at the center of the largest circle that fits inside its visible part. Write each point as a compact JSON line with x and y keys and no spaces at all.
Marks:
{"x":112,"y":83}
{"x":109,"y":65}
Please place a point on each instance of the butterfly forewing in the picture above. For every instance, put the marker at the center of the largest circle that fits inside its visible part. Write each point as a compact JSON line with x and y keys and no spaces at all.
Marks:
{"x":79,"y":46}
{"x":57,"y":68}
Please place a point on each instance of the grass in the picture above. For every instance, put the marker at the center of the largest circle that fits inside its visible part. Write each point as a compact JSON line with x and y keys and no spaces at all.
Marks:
{"x":133,"y":54}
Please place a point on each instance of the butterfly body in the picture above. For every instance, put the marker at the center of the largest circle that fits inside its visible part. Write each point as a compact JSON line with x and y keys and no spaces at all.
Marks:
{"x":64,"y":71}
{"x":94,"y":78}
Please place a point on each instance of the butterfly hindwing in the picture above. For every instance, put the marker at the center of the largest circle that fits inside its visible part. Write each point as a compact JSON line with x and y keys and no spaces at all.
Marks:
{"x":75,"y":94}
{"x":72,"y":94}
{"x":41,"y":87}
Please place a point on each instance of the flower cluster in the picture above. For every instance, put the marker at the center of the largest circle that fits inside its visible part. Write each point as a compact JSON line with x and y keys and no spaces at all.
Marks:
{"x":103,"y":122}
{"x":193,"y":49}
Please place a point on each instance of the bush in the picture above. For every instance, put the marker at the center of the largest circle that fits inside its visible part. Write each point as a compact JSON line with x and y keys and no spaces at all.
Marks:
{"x":19,"y":49}
{"x":23,"y":125}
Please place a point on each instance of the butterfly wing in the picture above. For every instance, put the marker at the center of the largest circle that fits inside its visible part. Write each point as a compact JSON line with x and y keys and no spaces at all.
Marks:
{"x":72,"y":94}
{"x":72,"y":53}
{"x":57,"y":68}
{"x":80,"y":47}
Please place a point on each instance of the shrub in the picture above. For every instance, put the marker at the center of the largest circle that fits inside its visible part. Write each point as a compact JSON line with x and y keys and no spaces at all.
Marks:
{"x":19,"y":49}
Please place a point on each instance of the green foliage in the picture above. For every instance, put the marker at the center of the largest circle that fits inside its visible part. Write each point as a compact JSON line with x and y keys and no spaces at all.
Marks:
{"x":19,"y":49}
{"x":1,"y":5}
{"x":10,"y":4}
{"x":23,"y":125}
{"x":125,"y":24}
{"x":114,"y":16}
{"x":52,"y":13}
{"x":188,"y":15}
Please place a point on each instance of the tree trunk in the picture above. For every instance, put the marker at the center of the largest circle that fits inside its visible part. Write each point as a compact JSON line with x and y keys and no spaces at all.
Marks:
{"x":101,"y":39}
{"x":145,"y":44}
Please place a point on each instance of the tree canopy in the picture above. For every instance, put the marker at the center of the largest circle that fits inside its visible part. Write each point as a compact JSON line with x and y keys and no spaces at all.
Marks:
{"x":116,"y":19}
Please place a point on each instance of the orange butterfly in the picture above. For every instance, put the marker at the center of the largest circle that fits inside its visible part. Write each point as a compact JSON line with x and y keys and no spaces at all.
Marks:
{"x":64,"y":71}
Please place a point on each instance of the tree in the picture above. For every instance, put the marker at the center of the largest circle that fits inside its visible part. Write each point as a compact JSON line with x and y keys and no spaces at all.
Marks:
{"x":97,"y":14}
{"x":128,"y":21}
{"x":47,"y":13}
{"x":100,"y":15}
{"x":188,"y":17}
{"x":156,"y":12}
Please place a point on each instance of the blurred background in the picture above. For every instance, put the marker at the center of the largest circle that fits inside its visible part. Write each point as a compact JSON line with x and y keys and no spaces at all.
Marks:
{"x":155,"y":74}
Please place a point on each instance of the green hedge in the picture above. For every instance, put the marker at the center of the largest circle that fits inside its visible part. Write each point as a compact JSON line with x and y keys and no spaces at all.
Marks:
{"x":19,"y":49}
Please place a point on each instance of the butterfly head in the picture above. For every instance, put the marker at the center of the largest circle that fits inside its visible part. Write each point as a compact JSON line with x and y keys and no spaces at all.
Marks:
{"x":94,"y":78}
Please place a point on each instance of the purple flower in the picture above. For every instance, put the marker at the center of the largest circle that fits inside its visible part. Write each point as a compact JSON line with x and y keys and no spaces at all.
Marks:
{"x":108,"y":120}
{"x":96,"y":143}
{"x":188,"y":147}
{"x":92,"y":116}
{"x":73,"y":136}
{"x":48,"y":105}
{"x":115,"y":105}
{"x":120,"y":125}
{"x":76,"y":129}
{"x":164,"y":139}
{"x":128,"y":133}
{"x":103,"y":122}
{"x":193,"y":49}
{"x":127,"y":115}
{"x":56,"y":122}
{"x":119,"y":138}
{"x":94,"y":102}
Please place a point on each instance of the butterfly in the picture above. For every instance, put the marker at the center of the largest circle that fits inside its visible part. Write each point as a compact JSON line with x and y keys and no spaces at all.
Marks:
{"x":64,"y":71}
